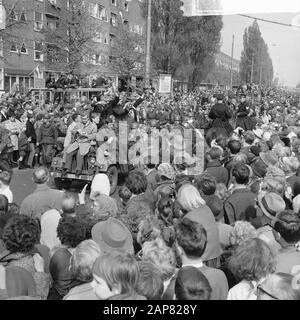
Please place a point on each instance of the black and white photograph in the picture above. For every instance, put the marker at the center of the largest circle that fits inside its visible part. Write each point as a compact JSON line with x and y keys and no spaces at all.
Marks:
{"x":149,"y":152}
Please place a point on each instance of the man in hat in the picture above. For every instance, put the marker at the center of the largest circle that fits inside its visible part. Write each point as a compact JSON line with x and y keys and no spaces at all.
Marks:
{"x":31,"y":137}
{"x":47,"y":138}
{"x":220,"y":115}
{"x":81,"y":146}
{"x":243,"y":119}
{"x":269,"y":205}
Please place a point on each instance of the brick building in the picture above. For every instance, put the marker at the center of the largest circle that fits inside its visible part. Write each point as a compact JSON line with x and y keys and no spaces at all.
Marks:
{"x":24,"y":58}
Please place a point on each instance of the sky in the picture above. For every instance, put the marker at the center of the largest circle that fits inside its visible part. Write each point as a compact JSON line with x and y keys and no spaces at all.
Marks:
{"x":283,"y":42}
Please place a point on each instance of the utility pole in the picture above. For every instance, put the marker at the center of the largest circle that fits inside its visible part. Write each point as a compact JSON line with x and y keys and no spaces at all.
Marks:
{"x":252,"y":68}
{"x":231,"y":65}
{"x":260,"y":75}
{"x":148,"y":46}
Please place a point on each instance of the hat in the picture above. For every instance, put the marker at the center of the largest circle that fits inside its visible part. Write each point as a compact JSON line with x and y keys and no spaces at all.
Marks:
{"x":290,"y":164}
{"x":269,"y":158}
{"x":259,"y":168}
{"x":271,"y":204}
{"x":259,"y":133}
{"x":276,"y":173}
{"x":166,"y":169}
{"x":112,"y":235}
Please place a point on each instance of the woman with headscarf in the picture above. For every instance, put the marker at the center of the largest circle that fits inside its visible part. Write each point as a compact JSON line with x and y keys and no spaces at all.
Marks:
{"x":101,"y":205}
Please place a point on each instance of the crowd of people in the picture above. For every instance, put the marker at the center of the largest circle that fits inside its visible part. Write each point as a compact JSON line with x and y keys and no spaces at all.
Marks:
{"x":230,"y":232}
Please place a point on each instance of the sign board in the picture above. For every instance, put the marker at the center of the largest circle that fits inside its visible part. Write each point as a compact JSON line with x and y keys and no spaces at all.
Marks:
{"x":165,"y":84}
{"x":2,"y":17}
{"x":231,"y":7}
{"x":39,"y":83}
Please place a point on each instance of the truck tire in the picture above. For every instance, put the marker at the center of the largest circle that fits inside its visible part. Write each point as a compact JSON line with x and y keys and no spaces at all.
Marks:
{"x":62,"y":184}
{"x":112,"y":173}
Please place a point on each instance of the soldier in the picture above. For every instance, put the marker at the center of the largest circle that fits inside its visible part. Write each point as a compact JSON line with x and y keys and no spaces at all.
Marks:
{"x":81,"y":146}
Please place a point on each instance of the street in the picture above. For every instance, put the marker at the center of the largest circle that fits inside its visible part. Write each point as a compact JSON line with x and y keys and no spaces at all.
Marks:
{"x":22,"y":185}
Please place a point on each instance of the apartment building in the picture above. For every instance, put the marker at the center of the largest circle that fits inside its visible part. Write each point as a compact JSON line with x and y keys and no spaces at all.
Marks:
{"x":30,"y":40}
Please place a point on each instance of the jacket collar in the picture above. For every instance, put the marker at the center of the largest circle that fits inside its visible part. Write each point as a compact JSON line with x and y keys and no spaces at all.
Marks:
{"x":215,"y":163}
{"x":41,"y":187}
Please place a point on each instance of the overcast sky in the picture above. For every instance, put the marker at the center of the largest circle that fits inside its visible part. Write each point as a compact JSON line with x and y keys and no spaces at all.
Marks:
{"x":283,"y":42}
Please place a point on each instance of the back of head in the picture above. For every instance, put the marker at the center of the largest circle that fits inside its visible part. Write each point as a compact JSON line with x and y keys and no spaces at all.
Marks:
{"x":68,"y":203}
{"x":41,"y":175}
{"x":150,"y":283}
{"x":136,"y":182}
{"x":215,"y":153}
{"x":83,"y":259}
{"x":249,"y":137}
{"x":191,"y":238}
{"x":118,"y":269}
{"x":288,"y":225}
{"x":206,"y":183}
{"x":189,"y":198}
{"x":252,"y":260}
{"x":71,"y":231}
{"x":5,"y":177}
{"x":241,"y":173}
{"x":191,"y":284}
{"x":279,"y":286}
{"x":234,"y":146}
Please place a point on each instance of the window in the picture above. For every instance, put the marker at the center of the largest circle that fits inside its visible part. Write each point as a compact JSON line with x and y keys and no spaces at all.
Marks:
{"x":112,"y":40}
{"x":114,"y":2}
{"x":98,"y":37}
{"x":126,"y":6}
{"x":13,"y":47}
{"x":1,"y":47}
{"x":113,"y":19}
{"x":51,"y":25}
{"x":13,"y":15}
{"x":105,"y":40}
{"x":23,"y":49}
{"x":23,"y":17}
{"x":101,"y":13}
{"x":38,"y":48}
{"x":38,"y":21}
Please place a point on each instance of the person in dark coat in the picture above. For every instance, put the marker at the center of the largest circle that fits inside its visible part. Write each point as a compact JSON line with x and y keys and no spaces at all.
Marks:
{"x":215,"y":167}
{"x":31,"y":135}
{"x":220,"y":126}
{"x":244,"y":120}
{"x":241,"y":204}
{"x":220,"y":114}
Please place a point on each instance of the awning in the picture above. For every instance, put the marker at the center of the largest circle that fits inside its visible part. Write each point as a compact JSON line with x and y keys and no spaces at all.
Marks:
{"x":17,"y":72}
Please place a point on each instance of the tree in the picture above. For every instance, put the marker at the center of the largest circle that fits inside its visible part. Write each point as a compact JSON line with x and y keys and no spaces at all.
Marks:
{"x":71,"y":42}
{"x":14,"y":22}
{"x":255,"y":58}
{"x":183,"y":46}
{"x":128,"y":53}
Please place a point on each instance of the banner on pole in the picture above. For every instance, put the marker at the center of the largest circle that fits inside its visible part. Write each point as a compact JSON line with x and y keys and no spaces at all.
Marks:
{"x":231,"y":7}
{"x":165,"y":84}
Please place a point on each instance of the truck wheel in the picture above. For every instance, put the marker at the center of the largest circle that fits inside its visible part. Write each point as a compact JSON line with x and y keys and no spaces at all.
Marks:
{"x":112,"y":173}
{"x":62,"y":184}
